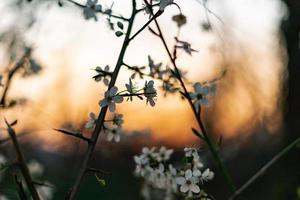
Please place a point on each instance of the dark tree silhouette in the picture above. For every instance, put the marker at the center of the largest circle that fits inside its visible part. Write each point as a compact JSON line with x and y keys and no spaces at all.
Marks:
{"x":291,"y":30}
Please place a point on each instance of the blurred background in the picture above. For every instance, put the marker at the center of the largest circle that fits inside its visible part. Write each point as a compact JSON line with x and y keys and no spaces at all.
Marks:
{"x":255,"y":109}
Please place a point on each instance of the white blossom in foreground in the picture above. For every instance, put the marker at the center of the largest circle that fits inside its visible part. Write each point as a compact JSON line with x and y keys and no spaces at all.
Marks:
{"x":191,"y":152}
{"x":91,"y":121}
{"x":46,"y":192}
{"x":154,"y":167}
{"x":141,"y":165}
{"x":91,"y":8}
{"x":35,"y":168}
{"x":200,"y":94}
{"x":150,"y":92}
{"x":2,"y":197}
{"x":188,"y":183}
{"x":118,"y":119}
{"x":130,"y":88}
{"x":2,"y":160}
{"x":111,"y":98}
{"x":163,"y":154}
{"x":207,"y":175}
{"x":114,"y":134}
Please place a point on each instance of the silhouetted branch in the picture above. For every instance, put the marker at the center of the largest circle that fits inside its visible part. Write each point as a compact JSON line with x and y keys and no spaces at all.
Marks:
{"x":11,"y":74}
{"x":197,"y":115}
{"x":21,"y":162}
{"x":265,"y":168}
{"x":102,"y":12}
{"x":101,"y":117}
{"x":77,"y":135}
{"x":20,"y":189}
{"x":94,"y":170}
{"x":43,"y":184}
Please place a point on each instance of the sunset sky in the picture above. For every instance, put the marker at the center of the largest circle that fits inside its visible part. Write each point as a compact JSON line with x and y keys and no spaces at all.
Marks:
{"x":69,"y":47}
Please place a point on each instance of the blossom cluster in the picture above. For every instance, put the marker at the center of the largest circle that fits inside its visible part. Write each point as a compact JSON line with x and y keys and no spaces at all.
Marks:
{"x":112,"y":128}
{"x":201,"y":93}
{"x":161,"y":3}
{"x":154,"y":167}
{"x":112,"y":96}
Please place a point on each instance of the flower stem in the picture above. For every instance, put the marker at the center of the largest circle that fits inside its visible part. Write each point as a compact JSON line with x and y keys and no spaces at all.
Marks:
{"x":100,"y":120}
{"x":265,"y":168}
{"x":21,"y":163}
{"x":197,"y":115}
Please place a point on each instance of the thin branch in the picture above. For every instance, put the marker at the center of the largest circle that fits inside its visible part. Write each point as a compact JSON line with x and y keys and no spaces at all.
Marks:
{"x":3,"y":141}
{"x":94,"y":170}
{"x":197,"y":115}
{"x":159,"y":12}
{"x":21,"y":162}
{"x":101,"y":116}
{"x":77,"y":135}
{"x":135,"y":94}
{"x":43,"y":184}
{"x":210,"y":11}
{"x":11,"y":75}
{"x":102,"y":12}
{"x":260,"y":172}
{"x":20,"y":188}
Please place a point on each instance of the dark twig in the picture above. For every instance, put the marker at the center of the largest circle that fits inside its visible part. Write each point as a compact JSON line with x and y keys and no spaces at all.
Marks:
{"x":102,"y":12}
{"x":101,"y":116}
{"x":94,"y":170}
{"x":156,"y":15}
{"x":43,"y":184}
{"x":77,"y":135}
{"x":20,"y":189}
{"x":5,"y":140}
{"x":10,"y":76}
{"x":197,"y":115}
{"x":260,"y":172}
{"x":22,"y":163}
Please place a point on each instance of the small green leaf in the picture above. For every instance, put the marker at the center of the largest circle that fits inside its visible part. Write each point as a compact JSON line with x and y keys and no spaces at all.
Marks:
{"x":120,"y":25}
{"x":100,"y":181}
{"x":119,"y":33}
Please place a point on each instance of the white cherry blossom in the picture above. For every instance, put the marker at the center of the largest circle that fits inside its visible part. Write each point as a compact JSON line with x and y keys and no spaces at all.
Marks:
{"x":150,"y":92}
{"x":114,"y":134}
{"x":111,"y":98}
{"x":91,"y":121}
{"x":91,"y":8}
{"x":188,"y":183}
{"x":207,"y":175}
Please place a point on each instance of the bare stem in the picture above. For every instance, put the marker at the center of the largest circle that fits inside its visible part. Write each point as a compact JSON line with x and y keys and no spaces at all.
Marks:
{"x":20,"y":188}
{"x":102,"y":12}
{"x":101,"y":116}
{"x":197,"y":115}
{"x":260,"y":172}
{"x":77,"y":135}
{"x":10,"y":76}
{"x":21,"y":163}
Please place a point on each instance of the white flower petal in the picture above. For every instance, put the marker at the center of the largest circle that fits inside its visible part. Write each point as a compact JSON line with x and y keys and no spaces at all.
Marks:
{"x":112,"y":107}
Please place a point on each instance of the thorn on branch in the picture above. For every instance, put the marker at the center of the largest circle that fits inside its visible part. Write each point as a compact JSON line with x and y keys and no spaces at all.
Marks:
{"x":77,"y":135}
{"x":94,"y":170}
{"x":198,"y":134}
{"x":43,"y":184}
{"x":21,"y":162}
{"x":153,"y":32}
